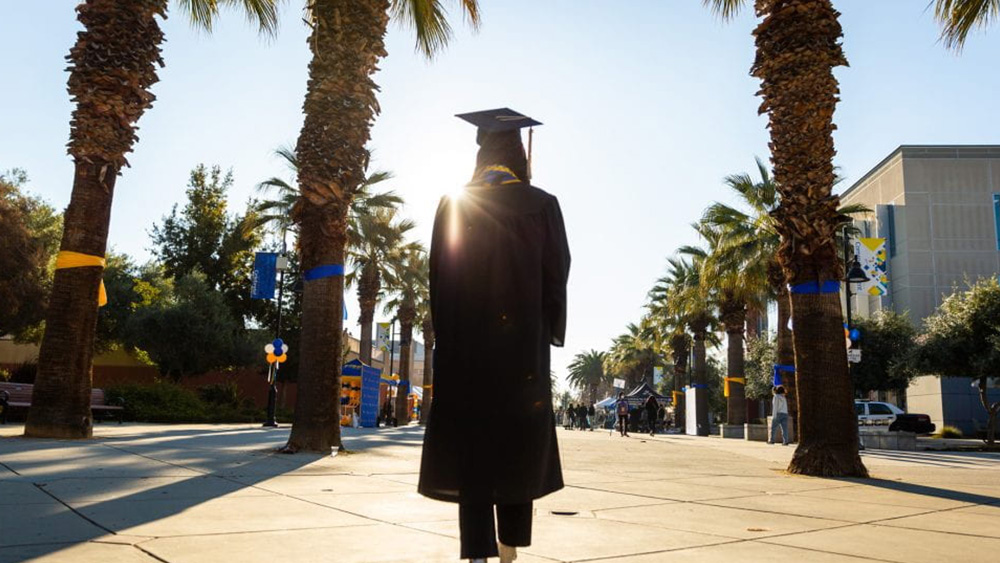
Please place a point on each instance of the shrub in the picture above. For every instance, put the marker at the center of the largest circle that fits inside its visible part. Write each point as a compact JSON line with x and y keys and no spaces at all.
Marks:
{"x":4,"y":375}
{"x":169,"y":402}
{"x":948,"y":432}
{"x":221,"y":394}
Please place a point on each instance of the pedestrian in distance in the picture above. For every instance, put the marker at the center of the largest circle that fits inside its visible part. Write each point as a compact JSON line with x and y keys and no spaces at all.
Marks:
{"x":779,"y":415}
{"x":571,"y":412}
{"x":581,"y":413}
{"x":652,"y":407}
{"x":621,"y":410}
{"x":499,"y":263}
{"x":591,"y":416}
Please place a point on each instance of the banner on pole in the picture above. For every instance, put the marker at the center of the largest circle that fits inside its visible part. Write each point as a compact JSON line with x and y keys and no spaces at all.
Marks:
{"x":657,"y":375}
{"x":382,"y":336}
{"x":265,"y":270}
{"x":619,"y":383}
{"x":872,"y":255}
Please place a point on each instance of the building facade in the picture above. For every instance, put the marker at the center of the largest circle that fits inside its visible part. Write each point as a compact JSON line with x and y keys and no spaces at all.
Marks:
{"x":938,"y":207}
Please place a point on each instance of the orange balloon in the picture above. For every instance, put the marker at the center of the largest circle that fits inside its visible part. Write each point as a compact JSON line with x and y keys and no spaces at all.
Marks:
{"x":271,"y":358}
{"x":281,"y":359}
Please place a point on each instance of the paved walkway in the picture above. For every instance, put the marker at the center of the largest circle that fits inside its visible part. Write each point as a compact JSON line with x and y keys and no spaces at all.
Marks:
{"x":146,"y":493}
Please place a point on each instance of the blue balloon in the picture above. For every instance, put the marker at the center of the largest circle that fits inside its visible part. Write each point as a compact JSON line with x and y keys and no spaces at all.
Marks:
{"x":855,"y":334}
{"x":278,"y":343}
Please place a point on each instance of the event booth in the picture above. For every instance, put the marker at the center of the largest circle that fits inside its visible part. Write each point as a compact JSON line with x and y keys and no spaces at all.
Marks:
{"x":359,"y":392}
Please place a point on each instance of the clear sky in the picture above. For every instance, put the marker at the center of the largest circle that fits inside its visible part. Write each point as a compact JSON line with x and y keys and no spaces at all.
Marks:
{"x":647,"y":104}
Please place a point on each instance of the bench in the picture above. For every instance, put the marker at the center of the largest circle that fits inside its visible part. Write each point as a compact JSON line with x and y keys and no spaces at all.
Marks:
{"x":18,"y":395}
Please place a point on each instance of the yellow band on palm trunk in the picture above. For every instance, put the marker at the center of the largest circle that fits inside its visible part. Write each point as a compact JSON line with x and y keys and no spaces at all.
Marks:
{"x":70,"y":259}
{"x":740,"y":380}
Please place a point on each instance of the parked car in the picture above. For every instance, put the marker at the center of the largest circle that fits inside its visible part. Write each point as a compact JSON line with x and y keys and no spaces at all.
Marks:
{"x":877,"y":413}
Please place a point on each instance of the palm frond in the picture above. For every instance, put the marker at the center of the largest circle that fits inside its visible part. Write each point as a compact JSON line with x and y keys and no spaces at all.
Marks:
{"x":959,"y":17}
{"x":262,"y":13}
{"x":727,"y":9}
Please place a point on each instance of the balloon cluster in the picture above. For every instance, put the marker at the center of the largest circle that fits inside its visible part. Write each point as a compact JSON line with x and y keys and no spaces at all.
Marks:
{"x":851,"y":335}
{"x":276,"y":351}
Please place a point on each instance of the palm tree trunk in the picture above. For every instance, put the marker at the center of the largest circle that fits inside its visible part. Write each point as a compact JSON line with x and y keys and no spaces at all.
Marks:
{"x":112,"y":66}
{"x":405,"y":361}
{"x":734,"y":318}
{"x":798,"y":45}
{"x":346,"y":44}
{"x":368,"y":288}
{"x":679,"y":353}
{"x":316,"y":423}
{"x":700,"y":372}
{"x":61,"y":396}
{"x":428,"y":330}
{"x":785,"y":353}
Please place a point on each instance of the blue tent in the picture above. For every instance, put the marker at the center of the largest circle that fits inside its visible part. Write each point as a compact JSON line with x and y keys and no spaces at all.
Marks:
{"x":369,"y":389}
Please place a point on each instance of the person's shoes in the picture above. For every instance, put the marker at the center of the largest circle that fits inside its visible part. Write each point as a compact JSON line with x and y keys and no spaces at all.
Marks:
{"x":507,"y":553}
{"x":784,"y":443}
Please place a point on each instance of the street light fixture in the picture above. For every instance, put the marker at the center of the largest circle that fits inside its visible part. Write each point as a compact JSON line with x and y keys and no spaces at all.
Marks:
{"x":855,"y":274}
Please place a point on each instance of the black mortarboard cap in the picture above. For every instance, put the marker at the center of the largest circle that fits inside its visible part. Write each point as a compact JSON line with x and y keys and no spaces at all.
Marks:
{"x":496,"y":120}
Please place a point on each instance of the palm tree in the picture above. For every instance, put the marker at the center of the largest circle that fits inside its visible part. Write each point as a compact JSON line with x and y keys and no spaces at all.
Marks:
{"x":427,"y":328}
{"x":409,"y":285}
{"x":959,"y":17}
{"x":631,"y":356}
{"x":111,"y":70}
{"x":674,"y":340}
{"x":798,"y":46}
{"x":740,"y":286}
{"x":276,"y":210}
{"x":586,"y":372}
{"x":750,"y":240}
{"x":347,"y":43}
{"x":371,"y":245}
{"x":371,"y":232}
{"x":689,"y":300}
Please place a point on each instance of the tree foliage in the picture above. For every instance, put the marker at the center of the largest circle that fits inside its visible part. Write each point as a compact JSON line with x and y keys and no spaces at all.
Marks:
{"x":30,"y":230}
{"x":586,"y":373}
{"x":204,"y":237}
{"x":762,"y":354}
{"x":190,"y":331}
{"x":962,"y":339}
{"x":887,"y":343}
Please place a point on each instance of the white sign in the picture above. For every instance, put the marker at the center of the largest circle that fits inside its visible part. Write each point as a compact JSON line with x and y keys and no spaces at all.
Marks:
{"x":657,"y":375}
{"x":854,"y":355}
{"x":619,"y":383}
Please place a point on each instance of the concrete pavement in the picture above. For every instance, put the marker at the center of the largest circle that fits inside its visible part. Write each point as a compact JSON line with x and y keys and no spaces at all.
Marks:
{"x":146,"y":493}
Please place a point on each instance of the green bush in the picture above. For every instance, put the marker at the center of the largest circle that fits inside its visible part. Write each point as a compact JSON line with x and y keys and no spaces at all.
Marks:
{"x":221,"y":394}
{"x":168,"y":402}
{"x":948,"y":432}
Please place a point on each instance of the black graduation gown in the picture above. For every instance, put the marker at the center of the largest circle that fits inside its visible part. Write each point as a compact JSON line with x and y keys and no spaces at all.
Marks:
{"x":498,"y":268}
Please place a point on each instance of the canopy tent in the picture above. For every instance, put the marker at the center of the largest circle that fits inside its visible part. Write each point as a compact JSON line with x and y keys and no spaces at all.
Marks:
{"x":638,"y":396}
{"x":606,"y":403}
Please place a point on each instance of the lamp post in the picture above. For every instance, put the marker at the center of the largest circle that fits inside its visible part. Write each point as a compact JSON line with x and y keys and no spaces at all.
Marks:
{"x":853,"y":274}
{"x":272,"y":391}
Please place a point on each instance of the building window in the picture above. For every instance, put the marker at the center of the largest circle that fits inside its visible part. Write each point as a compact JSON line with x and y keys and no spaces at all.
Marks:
{"x":890,"y":220}
{"x":996,"y":216}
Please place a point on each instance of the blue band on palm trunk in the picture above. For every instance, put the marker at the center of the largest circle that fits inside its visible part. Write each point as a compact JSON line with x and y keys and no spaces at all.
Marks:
{"x":814,"y":288}
{"x":327,"y":271}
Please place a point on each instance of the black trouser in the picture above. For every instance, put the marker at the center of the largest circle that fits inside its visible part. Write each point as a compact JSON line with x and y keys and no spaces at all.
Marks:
{"x":479,"y":535}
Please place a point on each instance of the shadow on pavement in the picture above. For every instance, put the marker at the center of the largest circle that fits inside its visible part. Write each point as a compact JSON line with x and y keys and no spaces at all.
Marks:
{"x":924,"y":490}
{"x":112,"y":484}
